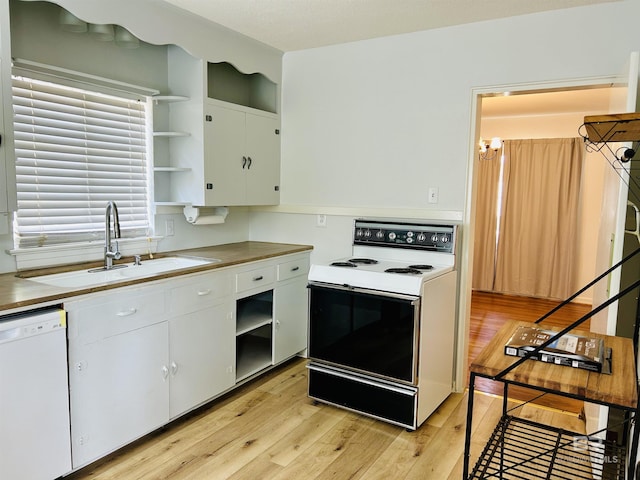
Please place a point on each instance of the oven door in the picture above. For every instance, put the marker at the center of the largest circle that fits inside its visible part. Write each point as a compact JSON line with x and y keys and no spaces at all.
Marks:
{"x":365,"y":330}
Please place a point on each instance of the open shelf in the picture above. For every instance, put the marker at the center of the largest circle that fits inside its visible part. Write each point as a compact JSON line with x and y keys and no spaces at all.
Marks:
{"x":171,"y":169}
{"x":169,"y":98}
{"x":519,"y":448}
{"x":252,"y":315}
{"x":253,"y":353}
{"x":254,"y":90}
{"x":171,"y":134}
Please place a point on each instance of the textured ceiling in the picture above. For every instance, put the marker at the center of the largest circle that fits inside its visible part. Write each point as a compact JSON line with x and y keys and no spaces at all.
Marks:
{"x":289,"y":25}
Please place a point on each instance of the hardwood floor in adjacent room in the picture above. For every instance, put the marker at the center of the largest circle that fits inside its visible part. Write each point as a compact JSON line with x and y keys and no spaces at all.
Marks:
{"x":269,"y":429}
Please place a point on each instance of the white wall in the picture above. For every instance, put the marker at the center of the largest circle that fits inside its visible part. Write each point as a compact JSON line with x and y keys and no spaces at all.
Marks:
{"x":369,"y":126}
{"x":376,"y":122}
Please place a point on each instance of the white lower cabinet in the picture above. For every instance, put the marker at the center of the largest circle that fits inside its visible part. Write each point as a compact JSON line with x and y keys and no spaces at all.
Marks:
{"x":271,"y":313}
{"x":119,"y":391}
{"x":202,"y":357}
{"x":290,"y":326}
{"x":142,"y":356}
{"x":291,"y":308}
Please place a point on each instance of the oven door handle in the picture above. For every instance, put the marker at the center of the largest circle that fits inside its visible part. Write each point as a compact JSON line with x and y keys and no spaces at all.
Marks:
{"x":348,"y":288}
{"x":404,"y":391}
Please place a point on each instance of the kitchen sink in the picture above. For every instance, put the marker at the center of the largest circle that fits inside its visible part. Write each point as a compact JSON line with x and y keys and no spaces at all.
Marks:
{"x":121,"y":272}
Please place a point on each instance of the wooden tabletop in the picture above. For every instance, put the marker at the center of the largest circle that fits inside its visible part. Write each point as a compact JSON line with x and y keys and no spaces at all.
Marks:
{"x":617,"y":389}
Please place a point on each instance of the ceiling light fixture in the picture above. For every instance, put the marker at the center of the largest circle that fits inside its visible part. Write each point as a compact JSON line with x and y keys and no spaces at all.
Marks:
{"x":488,"y":151}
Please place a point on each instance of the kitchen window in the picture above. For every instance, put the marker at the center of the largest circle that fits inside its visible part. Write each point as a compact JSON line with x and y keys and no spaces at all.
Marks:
{"x":77,"y":149}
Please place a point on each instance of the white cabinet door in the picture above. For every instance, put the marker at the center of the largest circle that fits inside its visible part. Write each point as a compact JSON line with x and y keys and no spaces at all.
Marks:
{"x":202,"y":351}
{"x":242,"y":158}
{"x":291,"y":312}
{"x":225,"y":156}
{"x":263,"y":152}
{"x":119,"y":390}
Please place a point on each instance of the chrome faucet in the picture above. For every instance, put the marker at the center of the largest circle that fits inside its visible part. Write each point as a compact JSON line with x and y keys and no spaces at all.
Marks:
{"x":109,"y":252}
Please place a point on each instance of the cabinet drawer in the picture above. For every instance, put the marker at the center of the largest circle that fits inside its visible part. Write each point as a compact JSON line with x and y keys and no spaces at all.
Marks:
{"x":255,"y":278}
{"x":293,"y":268}
{"x":91,"y":320}
{"x":198,"y":293}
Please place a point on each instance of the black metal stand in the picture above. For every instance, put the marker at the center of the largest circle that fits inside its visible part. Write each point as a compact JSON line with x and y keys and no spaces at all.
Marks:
{"x":508,"y":456}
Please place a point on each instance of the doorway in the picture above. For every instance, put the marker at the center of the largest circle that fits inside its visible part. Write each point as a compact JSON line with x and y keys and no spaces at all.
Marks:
{"x":536,"y":115}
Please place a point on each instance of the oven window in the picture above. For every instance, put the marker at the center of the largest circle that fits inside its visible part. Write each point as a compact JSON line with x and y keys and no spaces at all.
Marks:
{"x":368,"y":332}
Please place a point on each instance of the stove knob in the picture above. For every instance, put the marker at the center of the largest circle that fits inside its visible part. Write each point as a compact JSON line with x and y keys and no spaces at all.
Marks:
{"x":421,"y":237}
{"x":409,"y":234}
{"x":380,"y":235}
{"x":409,"y":239}
{"x":367,"y":233}
{"x":392,"y":236}
{"x":359,"y":232}
{"x":445,"y":239}
{"x":434,"y":237}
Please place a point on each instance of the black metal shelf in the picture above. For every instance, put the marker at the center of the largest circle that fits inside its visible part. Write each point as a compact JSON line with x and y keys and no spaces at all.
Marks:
{"x":521,"y":449}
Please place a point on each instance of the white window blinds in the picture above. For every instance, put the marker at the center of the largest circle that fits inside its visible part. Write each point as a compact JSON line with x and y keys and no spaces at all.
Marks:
{"x":75,"y":151}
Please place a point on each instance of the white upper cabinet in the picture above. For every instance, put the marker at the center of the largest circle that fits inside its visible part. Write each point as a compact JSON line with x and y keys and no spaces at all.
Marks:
{"x":231,"y":155}
{"x":242,"y":158}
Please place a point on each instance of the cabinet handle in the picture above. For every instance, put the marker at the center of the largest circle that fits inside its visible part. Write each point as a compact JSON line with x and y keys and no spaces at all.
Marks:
{"x":174,"y":368}
{"x":249,"y":166}
{"x":257,"y":279}
{"x":295,"y":269}
{"x":126,"y":313}
{"x":202,"y":293}
{"x":165,"y":372}
{"x":244,"y":162}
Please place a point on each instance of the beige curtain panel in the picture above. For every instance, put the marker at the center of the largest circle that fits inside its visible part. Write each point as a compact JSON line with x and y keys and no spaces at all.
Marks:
{"x":536,"y":246}
{"x":484,"y":255}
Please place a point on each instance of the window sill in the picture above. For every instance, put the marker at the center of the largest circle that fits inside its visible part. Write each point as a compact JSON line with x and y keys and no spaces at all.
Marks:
{"x":54,"y":255}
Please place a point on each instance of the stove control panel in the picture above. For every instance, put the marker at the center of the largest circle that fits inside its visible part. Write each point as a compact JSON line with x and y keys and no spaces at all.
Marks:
{"x":439,"y":238}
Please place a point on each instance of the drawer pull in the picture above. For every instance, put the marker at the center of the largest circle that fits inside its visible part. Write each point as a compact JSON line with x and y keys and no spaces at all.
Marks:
{"x":202,"y":293}
{"x":126,"y":313}
{"x":257,"y":279}
{"x":295,"y":269}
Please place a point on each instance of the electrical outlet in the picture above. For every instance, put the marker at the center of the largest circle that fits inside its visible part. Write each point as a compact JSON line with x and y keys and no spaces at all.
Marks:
{"x":433,"y":195}
{"x":168,"y":228}
{"x":321,"y":221}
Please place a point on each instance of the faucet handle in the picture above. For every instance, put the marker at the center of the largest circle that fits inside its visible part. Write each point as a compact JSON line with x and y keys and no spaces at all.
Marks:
{"x":136,"y":260}
{"x":117,"y":255}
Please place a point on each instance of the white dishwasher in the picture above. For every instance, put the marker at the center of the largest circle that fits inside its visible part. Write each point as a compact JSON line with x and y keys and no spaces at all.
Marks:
{"x":34,"y":396}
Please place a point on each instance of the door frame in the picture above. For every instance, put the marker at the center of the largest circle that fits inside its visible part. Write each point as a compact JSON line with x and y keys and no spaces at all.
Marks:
{"x":466,"y":263}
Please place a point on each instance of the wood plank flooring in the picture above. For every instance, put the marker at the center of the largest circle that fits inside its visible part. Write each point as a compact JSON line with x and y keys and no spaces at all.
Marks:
{"x":269,"y":429}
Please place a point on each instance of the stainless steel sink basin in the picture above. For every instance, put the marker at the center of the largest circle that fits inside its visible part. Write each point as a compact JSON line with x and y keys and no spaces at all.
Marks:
{"x":121,"y":272}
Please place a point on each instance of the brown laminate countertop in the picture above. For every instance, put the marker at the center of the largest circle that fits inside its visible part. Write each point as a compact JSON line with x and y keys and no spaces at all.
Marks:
{"x":17,"y":291}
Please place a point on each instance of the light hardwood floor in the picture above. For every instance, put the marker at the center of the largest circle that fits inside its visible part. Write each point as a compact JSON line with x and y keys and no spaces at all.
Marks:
{"x":270,"y":430}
